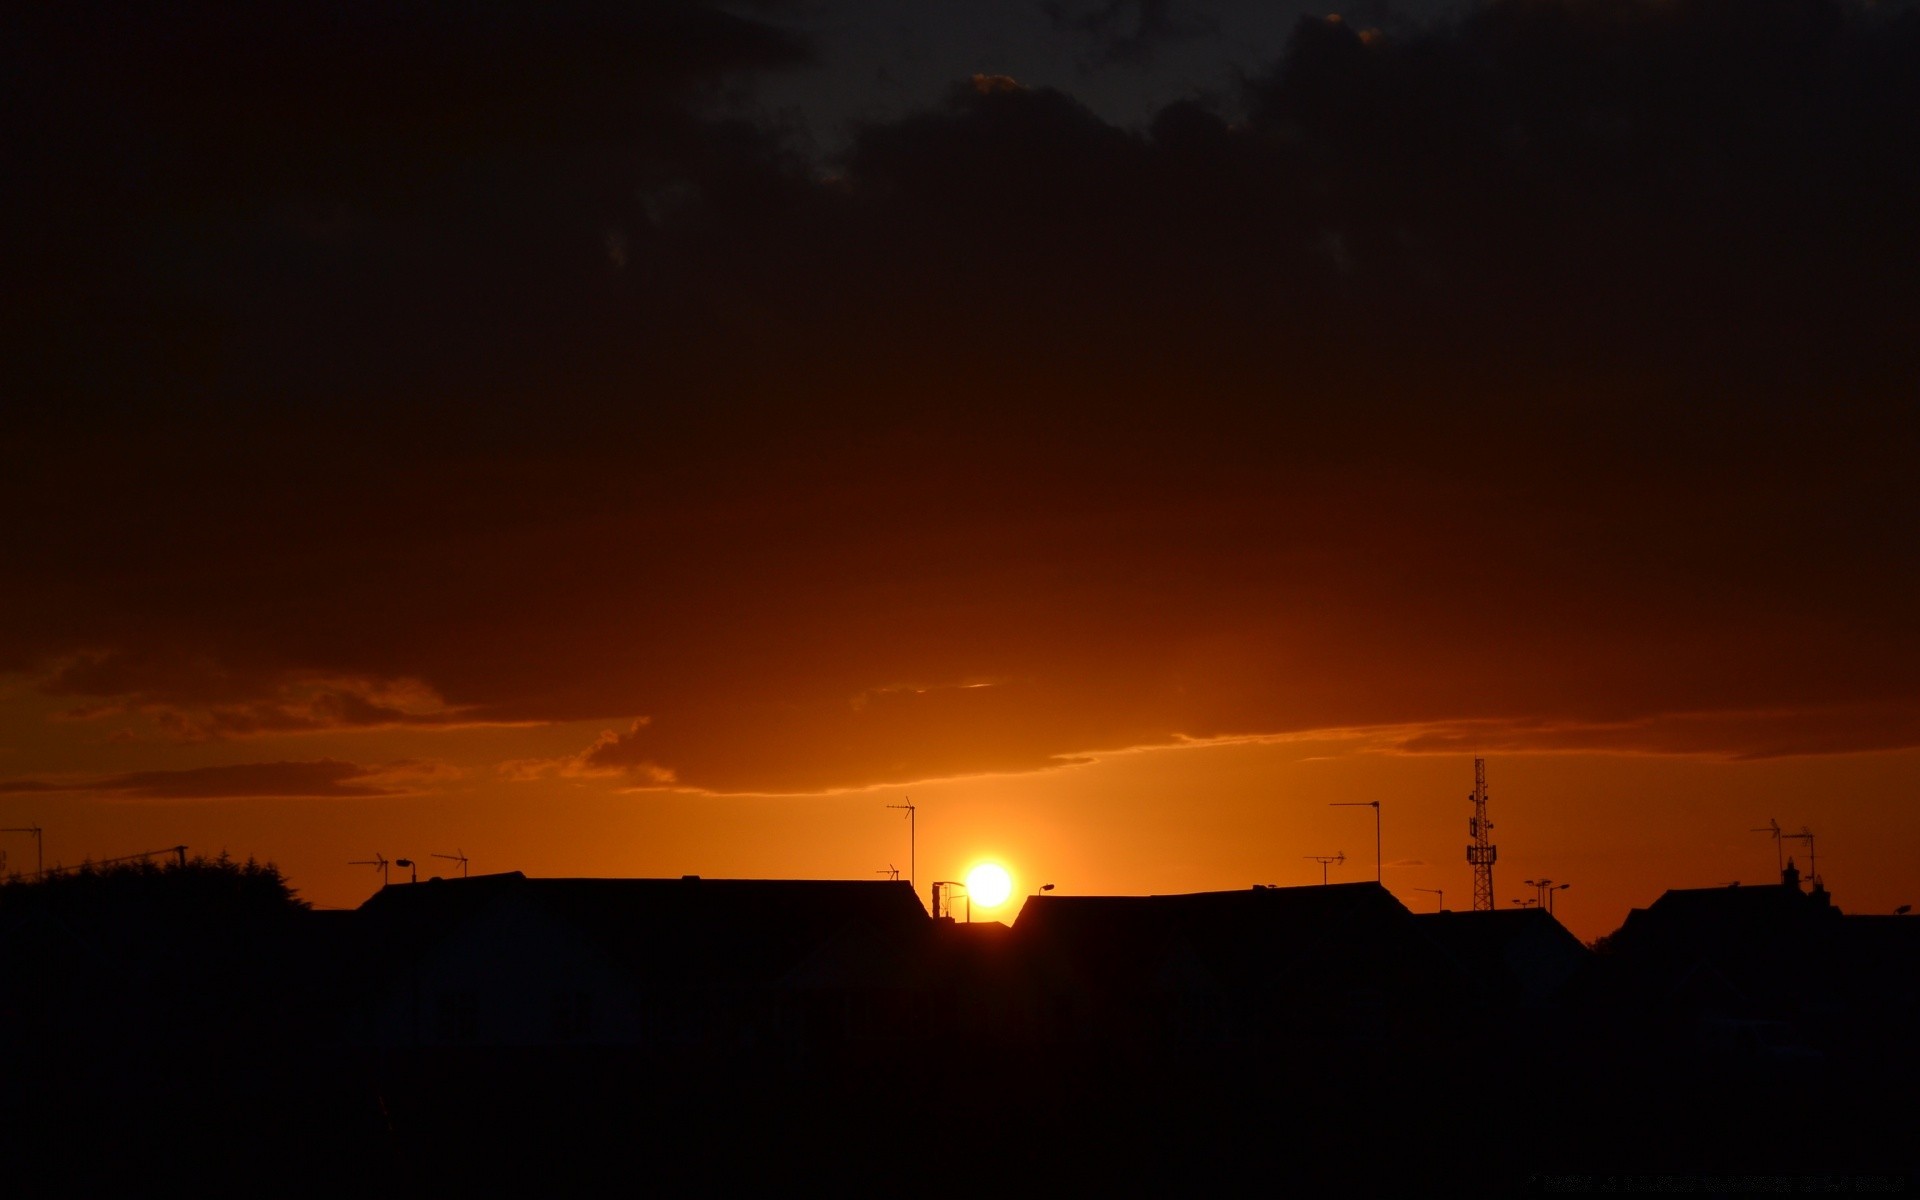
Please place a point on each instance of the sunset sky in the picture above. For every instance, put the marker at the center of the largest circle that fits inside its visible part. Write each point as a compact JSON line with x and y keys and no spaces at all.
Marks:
{"x":651,"y":438}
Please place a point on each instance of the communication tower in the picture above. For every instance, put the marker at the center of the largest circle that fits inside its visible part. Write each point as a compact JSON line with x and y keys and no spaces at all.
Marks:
{"x":1481,"y":852}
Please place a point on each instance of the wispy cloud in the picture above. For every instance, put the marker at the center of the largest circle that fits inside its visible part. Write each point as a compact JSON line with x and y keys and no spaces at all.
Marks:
{"x":321,"y":779}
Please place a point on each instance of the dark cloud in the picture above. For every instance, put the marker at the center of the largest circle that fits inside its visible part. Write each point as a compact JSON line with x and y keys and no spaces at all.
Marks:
{"x":1842,"y":729}
{"x":1551,"y":368}
{"x":1130,"y":31}
{"x":305,"y":780}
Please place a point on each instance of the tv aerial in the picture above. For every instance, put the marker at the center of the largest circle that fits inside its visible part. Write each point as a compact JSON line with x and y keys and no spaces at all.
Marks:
{"x":1325,"y":861}
{"x":892,"y":873}
{"x":459,"y":856}
{"x":1779,"y":856}
{"x":913,"y":826}
{"x":1813,"y":859}
{"x":379,"y":861}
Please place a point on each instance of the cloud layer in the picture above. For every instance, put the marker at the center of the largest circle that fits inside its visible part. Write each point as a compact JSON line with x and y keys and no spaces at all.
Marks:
{"x":324,"y":779}
{"x":1545,"y":376}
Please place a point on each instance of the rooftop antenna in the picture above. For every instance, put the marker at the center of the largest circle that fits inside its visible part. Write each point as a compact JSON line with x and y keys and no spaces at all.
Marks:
{"x":459,"y":856}
{"x":1813,"y":860}
{"x":912,"y":835}
{"x":1482,"y":852}
{"x":1326,"y":860}
{"x":1375,"y":806}
{"x":378,"y":860}
{"x":39,"y":851}
{"x":1779,"y":856}
{"x":1440,"y":898}
{"x":892,"y":872}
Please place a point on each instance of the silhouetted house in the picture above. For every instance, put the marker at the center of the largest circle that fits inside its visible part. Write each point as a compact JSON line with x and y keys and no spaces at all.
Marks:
{"x":1764,"y":976}
{"x":664,"y":966}
{"x":1523,"y":957}
{"x":1872,"y":965}
{"x":1745,"y":934}
{"x":975,"y":984}
{"x":1336,"y":967}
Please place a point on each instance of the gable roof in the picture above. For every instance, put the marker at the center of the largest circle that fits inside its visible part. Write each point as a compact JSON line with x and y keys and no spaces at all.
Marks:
{"x":687,"y":932}
{"x":1262,"y":939}
{"x":1520,"y":954}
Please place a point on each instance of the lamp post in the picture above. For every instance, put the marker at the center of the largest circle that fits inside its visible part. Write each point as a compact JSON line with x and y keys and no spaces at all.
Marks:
{"x":1375,"y":806}
{"x":1544,"y":888}
{"x":943,"y":890}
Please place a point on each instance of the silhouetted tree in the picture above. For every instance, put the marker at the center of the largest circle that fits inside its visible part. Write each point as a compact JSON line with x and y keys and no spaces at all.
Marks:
{"x":201,"y":885}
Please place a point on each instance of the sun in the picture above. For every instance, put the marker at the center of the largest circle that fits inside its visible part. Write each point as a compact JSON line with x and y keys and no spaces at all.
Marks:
{"x":989,"y":885}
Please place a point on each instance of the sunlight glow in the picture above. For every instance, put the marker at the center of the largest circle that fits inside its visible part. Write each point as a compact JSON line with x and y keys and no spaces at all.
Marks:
{"x":989,"y":885}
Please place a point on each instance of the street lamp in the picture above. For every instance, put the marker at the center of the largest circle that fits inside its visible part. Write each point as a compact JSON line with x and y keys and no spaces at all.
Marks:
{"x":943,"y":891}
{"x":1375,"y":806}
{"x":1545,"y":888}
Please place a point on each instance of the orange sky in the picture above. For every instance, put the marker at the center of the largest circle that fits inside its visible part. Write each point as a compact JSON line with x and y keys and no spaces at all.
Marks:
{"x":1618,"y":827}
{"x":536,"y":447}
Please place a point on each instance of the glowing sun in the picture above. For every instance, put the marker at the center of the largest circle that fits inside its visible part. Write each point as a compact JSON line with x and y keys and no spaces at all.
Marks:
{"x":989,"y":885}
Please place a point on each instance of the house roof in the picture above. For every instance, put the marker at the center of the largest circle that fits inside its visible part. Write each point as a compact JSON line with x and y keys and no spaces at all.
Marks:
{"x":1522,"y":954}
{"x":1779,"y":946}
{"x":1728,"y":920}
{"x":689,"y":931}
{"x":1265,"y":939}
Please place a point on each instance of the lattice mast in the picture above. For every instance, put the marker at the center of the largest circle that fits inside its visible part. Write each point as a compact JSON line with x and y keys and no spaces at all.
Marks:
{"x":1481,"y":852}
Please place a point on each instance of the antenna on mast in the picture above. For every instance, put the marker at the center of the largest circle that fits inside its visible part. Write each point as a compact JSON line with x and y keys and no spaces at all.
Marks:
{"x":1326,"y":860}
{"x":378,"y":860}
{"x":459,"y":856}
{"x":892,"y":873}
{"x":1813,"y":860}
{"x":1439,"y":898}
{"x":1482,"y":852}
{"x":912,"y":838}
{"x":1779,"y":856}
